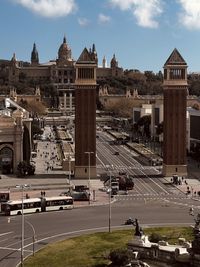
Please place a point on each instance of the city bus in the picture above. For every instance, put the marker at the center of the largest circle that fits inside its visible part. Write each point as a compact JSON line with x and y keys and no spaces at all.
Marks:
{"x":56,"y":203}
{"x":34,"y":205}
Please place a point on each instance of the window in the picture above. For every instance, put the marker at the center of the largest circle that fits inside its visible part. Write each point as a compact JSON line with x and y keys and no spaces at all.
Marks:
{"x":165,"y":74}
{"x":86,"y":73}
{"x":176,"y":74}
{"x":155,"y":253}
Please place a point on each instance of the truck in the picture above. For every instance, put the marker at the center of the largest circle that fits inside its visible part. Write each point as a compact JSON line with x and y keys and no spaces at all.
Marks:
{"x":114,"y":187}
{"x":125,"y":182}
{"x":121,"y":182}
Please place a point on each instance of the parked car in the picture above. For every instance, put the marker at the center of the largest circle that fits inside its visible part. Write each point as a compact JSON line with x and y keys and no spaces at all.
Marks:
{"x":77,"y":196}
{"x":80,"y":196}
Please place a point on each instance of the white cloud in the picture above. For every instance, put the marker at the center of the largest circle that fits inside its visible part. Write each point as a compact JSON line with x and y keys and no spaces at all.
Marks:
{"x":83,"y":22}
{"x":145,"y":11}
{"x":190,"y":14}
{"x":103,"y":19}
{"x":49,"y":8}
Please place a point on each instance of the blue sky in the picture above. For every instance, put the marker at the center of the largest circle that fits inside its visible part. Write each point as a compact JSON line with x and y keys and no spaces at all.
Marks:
{"x":141,"y":33}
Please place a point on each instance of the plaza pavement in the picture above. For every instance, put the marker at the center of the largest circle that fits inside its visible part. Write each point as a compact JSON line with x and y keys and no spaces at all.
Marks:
{"x":53,"y":181}
{"x":52,"y":187}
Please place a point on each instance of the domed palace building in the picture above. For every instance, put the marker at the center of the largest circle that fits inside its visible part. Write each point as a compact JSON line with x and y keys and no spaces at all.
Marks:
{"x":59,"y":72}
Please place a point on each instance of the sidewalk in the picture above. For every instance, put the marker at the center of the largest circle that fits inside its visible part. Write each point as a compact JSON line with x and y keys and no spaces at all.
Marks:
{"x":53,"y":180}
{"x":52,"y":187}
{"x":192,"y":184}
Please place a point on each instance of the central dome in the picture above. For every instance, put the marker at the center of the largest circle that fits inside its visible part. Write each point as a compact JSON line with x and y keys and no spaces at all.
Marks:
{"x":64,"y":51}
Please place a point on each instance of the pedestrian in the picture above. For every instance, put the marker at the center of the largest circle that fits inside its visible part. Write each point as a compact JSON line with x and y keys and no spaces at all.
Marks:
{"x":191,"y":211}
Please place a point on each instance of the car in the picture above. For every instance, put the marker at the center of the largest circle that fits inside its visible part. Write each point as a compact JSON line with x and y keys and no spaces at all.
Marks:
{"x":80,"y":196}
{"x":116,"y":153}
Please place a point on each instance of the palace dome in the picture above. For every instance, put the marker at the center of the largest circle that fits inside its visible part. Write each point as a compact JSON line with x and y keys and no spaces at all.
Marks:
{"x":64,"y":51}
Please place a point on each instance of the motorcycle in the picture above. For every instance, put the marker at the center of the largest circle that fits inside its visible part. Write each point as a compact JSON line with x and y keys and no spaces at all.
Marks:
{"x":130,"y":221}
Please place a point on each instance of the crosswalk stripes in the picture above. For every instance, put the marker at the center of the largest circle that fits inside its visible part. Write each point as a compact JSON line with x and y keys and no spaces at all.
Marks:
{"x":148,"y":196}
{"x":119,"y":168}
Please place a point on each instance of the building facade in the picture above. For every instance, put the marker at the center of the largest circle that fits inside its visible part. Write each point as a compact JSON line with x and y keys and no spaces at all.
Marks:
{"x":15,"y":127}
{"x":60,"y":73}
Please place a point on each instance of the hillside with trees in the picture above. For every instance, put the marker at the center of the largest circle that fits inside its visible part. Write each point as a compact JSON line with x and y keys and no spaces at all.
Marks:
{"x":147,"y":83}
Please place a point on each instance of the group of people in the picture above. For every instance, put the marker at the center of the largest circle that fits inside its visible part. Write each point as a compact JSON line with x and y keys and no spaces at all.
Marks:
{"x":43,"y":193}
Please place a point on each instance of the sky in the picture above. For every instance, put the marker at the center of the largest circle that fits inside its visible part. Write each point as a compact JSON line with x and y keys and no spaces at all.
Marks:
{"x":141,"y":33}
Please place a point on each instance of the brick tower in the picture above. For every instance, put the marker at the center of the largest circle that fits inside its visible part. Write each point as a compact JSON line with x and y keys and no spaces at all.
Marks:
{"x":175,"y":98}
{"x":85,"y":116}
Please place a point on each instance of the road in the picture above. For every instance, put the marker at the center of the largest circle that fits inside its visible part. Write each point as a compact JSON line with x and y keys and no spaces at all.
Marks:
{"x":53,"y":226}
{"x":147,"y":180}
{"x":154,"y":201}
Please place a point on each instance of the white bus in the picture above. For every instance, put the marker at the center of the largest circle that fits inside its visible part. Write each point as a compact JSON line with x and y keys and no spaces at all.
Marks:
{"x":56,"y":203}
{"x":33,"y":205}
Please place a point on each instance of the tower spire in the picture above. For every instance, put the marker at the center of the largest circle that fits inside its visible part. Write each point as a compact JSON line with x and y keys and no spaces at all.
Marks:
{"x":34,"y":55}
{"x":64,"y":39}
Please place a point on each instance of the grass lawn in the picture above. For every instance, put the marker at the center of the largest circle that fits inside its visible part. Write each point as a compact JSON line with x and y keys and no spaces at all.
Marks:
{"x":91,"y":250}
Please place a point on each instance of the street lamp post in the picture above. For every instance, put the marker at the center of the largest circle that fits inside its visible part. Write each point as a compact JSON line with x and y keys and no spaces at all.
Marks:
{"x":34,"y":235}
{"x":22,"y":187}
{"x":155,"y":139}
{"x":110,"y":195}
{"x":69,"y":159}
{"x":89,"y":154}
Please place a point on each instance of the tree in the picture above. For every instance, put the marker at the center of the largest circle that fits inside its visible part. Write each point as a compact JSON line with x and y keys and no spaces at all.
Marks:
{"x":25,"y":168}
{"x":26,"y":145}
{"x":196,"y":106}
{"x":145,"y":123}
{"x":122,"y":107}
{"x":34,"y":107}
{"x":35,"y":128}
{"x":159,"y":129}
{"x":21,"y":169}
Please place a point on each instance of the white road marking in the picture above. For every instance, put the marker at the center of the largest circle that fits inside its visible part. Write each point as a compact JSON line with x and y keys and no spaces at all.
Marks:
{"x":6,"y":233}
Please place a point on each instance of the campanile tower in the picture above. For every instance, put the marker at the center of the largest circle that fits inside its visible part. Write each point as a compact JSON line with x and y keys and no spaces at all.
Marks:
{"x":175,"y":101}
{"x":85,"y":116}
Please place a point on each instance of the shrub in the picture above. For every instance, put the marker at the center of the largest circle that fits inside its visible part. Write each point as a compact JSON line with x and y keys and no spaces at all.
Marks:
{"x":120,"y":257}
{"x":25,"y":168}
{"x":155,"y":237}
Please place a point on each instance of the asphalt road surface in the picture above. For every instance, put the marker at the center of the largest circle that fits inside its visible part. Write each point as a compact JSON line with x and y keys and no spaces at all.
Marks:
{"x":52,"y":226}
